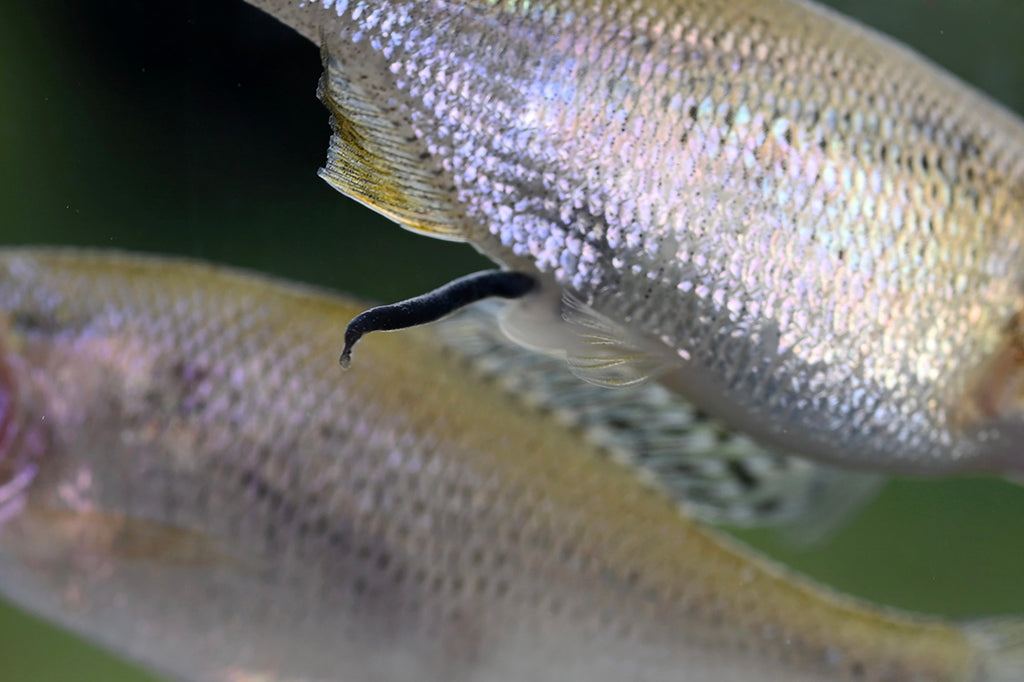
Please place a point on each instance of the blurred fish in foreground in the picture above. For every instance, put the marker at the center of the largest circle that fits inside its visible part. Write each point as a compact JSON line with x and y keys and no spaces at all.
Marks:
{"x":791,"y":219}
{"x":188,"y":480}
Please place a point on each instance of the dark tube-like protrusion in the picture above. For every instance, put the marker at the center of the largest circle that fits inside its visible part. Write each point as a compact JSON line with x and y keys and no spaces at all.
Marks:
{"x":435,"y":304}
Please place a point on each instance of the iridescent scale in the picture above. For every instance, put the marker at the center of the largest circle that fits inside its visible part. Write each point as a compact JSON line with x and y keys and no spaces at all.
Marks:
{"x":820,"y":226}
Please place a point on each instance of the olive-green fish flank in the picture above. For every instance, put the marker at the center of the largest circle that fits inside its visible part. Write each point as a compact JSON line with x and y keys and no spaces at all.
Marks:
{"x":816,"y":232}
{"x":189,"y":479}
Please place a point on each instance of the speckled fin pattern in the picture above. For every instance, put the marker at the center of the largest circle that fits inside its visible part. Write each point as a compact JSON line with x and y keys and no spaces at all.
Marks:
{"x":720,"y":476}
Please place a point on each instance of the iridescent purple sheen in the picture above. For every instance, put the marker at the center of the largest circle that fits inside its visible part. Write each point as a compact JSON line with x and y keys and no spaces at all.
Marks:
{"x":820,"y":228}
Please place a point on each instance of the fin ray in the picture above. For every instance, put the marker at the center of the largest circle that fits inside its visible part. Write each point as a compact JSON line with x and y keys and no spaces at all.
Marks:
{"x":376,"y":159}
{"x":607,"y":353}
{"x":597,"y":350}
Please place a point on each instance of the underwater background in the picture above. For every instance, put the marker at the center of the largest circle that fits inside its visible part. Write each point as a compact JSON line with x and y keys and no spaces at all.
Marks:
{"x":192,"y":128}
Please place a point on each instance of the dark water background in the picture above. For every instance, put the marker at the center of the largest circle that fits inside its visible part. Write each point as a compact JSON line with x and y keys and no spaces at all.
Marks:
{"x":191,"y":127}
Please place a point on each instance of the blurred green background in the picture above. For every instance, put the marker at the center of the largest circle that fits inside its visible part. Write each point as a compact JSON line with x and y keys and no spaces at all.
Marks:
{"x":192,"y":127}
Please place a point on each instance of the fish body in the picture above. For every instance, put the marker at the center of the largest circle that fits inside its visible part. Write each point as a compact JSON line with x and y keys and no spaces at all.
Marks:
{"x":792,"y":220}
{"x":184,"y":479}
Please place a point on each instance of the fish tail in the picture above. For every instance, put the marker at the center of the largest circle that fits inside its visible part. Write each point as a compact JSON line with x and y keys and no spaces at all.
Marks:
{"x":1000,"y":643}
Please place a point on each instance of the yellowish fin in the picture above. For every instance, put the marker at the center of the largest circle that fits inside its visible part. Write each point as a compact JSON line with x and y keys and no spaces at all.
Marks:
{"x":376,"y":159}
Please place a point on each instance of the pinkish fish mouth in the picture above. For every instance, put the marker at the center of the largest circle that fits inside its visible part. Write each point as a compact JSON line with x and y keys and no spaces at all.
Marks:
{"x":17,"y":463}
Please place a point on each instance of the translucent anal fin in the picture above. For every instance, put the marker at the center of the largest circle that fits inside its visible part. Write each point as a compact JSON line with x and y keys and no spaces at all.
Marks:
{"x":607,"y":353}
{"x":598,"y":350}
{"x":376,"y":159}
{"x":535,"y":321}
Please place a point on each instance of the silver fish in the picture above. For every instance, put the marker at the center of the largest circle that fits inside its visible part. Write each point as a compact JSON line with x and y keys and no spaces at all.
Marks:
{"x":186,"y":481}
{"x":797,"y":223}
